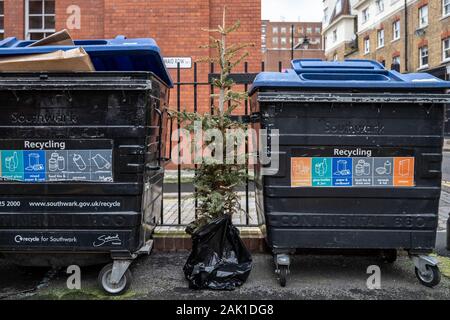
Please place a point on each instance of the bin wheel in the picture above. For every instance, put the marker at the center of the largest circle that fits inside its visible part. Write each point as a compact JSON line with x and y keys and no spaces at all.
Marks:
{"x":104,"y":280}
{"x":283,"y":272}
{"x":431,"y":277}
{"x":389,"y":256}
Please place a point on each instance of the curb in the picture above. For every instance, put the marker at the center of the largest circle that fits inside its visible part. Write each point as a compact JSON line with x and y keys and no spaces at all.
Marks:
{"x":446,"y":144}
{"x":446,"y":186}
{"x":175,"y":239}
{"x":179,"y":231}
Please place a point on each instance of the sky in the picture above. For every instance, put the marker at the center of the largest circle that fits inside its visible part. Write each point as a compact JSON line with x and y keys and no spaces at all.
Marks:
{"x":292,"y":10}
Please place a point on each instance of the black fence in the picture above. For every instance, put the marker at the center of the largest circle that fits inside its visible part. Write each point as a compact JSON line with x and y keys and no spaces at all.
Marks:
{"x":243,"y":81}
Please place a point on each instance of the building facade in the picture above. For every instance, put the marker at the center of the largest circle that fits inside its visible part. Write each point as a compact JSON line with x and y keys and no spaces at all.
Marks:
{"x":282,"y":41}
{"x":339,"y":25}
{"x":405,"y":35}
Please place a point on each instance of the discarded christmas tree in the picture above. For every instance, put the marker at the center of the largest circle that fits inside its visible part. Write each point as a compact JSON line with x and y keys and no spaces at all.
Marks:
{"x":217,"y":178}
{"x":219,"y":259}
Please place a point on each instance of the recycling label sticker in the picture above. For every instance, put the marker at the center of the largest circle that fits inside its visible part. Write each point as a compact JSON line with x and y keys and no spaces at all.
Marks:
{"x":53,"y":161}
{"x":321,"y":175}
{"x":342,"y":172}
{"x":359,"y":168}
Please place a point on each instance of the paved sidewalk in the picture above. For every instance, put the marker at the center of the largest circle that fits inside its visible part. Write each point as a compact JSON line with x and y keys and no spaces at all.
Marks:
{"x":160,"y":276}
{"x":188,"y":209}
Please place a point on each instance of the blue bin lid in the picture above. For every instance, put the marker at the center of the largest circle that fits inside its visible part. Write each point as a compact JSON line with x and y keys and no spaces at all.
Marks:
{"x":119,"y":54}
{"x":314,"y":73}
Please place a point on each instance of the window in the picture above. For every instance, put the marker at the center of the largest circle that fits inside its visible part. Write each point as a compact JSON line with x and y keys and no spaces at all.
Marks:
{"x":317,"y":29}
{"x":338,"y":6}
{"x":445,"y":8}
{"x":380,"y":38}
{"x":423,"y":16}
{"x":396,"y":30}
{"x":275,"y":30}
{"x":366,"y":45}
{"x":446,"y":49}
{"x":365,"y":15}
{"x":300,"y":30}
{"x":325,"y":15}
{"x":275,"y":41}
{"x":380,"y":5}
{"x":2,"y":20}
{"x":396,"y":60}
{"x":309,"y":30}
{"x":335,"y":57}
{"x":334,"y":35}
{"x":396,"y":63}
{"x":283,"y":30}
{"x":423,"y":57}
{"x":283,"y":41}
{"x":39,"y":18}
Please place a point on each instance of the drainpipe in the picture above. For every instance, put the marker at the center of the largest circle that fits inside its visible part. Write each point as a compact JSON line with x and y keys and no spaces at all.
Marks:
{"x":406,"y":35}
{"x":292,"y":41}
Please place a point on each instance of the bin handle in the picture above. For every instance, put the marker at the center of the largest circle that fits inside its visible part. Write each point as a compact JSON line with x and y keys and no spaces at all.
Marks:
{"x":160,"y":115}
{"x":160,"y":157}
{"x":255,"y":117}
{"x":149,"y":167}
{"x":170,"y":137}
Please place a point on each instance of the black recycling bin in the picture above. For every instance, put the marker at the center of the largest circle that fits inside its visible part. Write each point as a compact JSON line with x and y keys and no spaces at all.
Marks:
{"x":82,"y":157}
{"x":360,"y":153}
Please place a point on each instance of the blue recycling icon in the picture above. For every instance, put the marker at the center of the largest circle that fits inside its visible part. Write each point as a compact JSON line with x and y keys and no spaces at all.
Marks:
{"x":342,"y":172}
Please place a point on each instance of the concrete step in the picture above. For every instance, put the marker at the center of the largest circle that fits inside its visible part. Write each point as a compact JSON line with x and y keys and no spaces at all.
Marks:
{"x":175,"y":239}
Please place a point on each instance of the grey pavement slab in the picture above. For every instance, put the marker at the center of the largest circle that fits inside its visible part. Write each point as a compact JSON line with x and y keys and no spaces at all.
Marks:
{"x":160,"y":276}
{"x":171,"y":217}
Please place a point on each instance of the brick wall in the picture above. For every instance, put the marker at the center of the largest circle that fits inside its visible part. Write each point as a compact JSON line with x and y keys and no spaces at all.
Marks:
{"x":437,"y":29}
{"x":177,"y":31}
{"x":277,"y":51}
{"x":14,"y":18}
{"x":432,"y":35}
{"x":341,"y":52}
{"x":92,"y":18}
{"x":392,"y":48}
{"x":176,"y":26}
{"x":272,"y":58}
{"x":310,"y":30}
{"x":248,"y":12}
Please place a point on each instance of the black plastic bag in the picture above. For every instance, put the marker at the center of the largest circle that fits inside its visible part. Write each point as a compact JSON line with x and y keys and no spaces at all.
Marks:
{"x":219,"y":259}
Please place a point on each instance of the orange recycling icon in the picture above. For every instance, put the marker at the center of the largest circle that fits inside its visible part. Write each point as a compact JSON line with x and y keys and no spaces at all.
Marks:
{"x":404,"y":172}
{"x":301,"y":172}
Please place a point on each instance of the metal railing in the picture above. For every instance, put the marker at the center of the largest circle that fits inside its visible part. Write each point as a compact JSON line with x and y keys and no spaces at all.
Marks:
{"x":179,"y":207}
